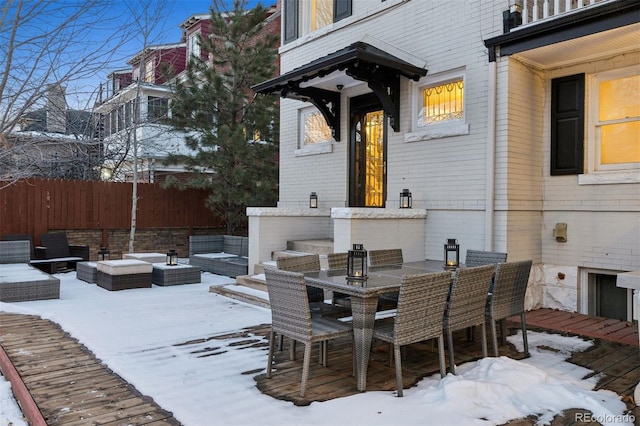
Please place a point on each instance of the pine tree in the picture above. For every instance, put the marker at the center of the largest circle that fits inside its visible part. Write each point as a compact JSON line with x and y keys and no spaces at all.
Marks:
{"x":233,"y":131}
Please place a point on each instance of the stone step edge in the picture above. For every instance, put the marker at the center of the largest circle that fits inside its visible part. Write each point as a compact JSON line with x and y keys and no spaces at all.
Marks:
{"x":228,"y":291}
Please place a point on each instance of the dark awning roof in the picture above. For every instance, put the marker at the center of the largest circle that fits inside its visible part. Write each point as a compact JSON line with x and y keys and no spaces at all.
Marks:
{"x":604,"y":17}
{"x":360,"y":61}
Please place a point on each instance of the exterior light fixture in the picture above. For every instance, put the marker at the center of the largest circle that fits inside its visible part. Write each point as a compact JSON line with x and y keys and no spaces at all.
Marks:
{"x":451,"y":254}
{"x":172,"y":258}
{"x":313,"y":200}
{"x":357,"y":263}
{"x":103,"y":253}
{"x":405,"y":199}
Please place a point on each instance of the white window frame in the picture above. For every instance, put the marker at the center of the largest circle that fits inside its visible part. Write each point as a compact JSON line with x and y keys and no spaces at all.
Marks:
{"x":149,"y":69}
{"x":194,"y":45}
{"x":596,"y":172}
{"x":422,"y":131}
{"x":320,"y":147}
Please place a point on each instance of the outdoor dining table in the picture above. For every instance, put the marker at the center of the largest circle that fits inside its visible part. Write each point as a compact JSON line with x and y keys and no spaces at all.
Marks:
{"x":364,"y":300}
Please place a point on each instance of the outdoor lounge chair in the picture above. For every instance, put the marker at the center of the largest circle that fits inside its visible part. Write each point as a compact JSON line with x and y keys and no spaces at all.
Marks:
{"x":220,"y":254}
{"x":56,"y":249}
{"x":422,"y":300}
{"x":466,"y":304}
{"x":291,"y":317}
{"x":507,"y":299}
{"x":19,"y":281}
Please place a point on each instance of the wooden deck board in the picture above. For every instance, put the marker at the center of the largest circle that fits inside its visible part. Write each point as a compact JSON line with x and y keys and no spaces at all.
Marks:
{"x":67,"y":382}
{"x":71,"y":387}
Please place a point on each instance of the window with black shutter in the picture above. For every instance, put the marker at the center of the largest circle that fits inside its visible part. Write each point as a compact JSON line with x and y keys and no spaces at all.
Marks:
{"x":567,"y":125}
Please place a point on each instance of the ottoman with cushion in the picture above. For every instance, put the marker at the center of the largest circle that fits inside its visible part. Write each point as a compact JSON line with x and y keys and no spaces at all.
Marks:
{"x":124,"y":274}
{"x":87,"y":271}
{"x":164,"y":274}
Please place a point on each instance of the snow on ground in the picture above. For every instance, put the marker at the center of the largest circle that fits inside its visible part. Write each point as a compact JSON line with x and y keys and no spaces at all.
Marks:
{"x":138,"y":333}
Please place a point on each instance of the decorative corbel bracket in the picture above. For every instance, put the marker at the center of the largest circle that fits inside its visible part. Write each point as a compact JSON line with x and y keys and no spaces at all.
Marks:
{"x":327,"y":102}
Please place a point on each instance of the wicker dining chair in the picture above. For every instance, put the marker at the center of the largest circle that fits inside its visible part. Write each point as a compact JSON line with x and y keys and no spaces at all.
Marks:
{"x":310,"y":263}
{"x":507,"y":299}
{"x":466,"y":304}
{"x":385,"y":257}
{"x":338,"y":261}
{"x":304,"y":263}
{"x":421,"y":303}
{"x":382,"y":258}
{"x":479,"y":257}
{"x":291,"y":317}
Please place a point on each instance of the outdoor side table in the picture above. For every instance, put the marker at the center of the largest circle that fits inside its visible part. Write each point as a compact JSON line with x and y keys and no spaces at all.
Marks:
{"x":87,"y":271}
{"x":147,"y":257}
{"x":124,"y":274}
{"x":165,"y":275}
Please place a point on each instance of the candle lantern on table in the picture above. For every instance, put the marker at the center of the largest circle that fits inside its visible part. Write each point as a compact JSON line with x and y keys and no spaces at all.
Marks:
{"x":172,"y":257}
{"x":405,"y":199}
{"x":313,"y":200}
{"x":451,"y":254}
{"x":357,"y":263}
{"x":103,"y":253}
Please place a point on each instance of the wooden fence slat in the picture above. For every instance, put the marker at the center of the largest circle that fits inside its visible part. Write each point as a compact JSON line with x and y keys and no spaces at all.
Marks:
{"x":36,"y":206}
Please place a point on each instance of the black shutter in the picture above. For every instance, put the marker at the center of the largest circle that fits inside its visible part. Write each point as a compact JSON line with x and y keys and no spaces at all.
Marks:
{"x":290,"y":20}
{"x":567,"y":125}
{"x":341,"y":9}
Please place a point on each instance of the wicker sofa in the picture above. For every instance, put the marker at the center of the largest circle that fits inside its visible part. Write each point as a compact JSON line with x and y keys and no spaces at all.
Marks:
{"x":20,"y":282}
{"x":220,"y":254}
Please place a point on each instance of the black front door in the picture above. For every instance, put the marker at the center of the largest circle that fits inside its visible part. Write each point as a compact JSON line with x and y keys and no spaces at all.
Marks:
{"x":367,"y":153}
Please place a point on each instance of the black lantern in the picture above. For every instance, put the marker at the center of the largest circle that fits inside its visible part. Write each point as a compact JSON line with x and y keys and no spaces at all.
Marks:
{"x":172,"y":258}
{"x":313,"y":200}
{"x":357,"y":263}
{"x":103,"y":253}
{"x":451,"y":254}
{"x":405,"y":199}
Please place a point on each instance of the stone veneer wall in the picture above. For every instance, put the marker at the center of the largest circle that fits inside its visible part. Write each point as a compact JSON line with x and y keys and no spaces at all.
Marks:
{"x":153,"y":240}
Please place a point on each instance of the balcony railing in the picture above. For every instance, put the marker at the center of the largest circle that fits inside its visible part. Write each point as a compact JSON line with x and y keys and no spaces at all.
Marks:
{"x":527,"y":12}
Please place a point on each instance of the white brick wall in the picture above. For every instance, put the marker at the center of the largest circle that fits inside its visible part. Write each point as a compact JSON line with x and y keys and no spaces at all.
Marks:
{"x":448,"y":175}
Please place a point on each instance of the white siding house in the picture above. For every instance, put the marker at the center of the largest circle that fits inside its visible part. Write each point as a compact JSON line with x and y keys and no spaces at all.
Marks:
{"x":476,"y":107}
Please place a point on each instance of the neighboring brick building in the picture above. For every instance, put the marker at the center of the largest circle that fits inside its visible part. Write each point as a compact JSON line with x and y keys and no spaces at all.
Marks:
{"x":155,"y":67}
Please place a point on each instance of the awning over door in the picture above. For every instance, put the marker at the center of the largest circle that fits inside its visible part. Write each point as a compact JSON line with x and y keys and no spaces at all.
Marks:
{"x":321,"y":80}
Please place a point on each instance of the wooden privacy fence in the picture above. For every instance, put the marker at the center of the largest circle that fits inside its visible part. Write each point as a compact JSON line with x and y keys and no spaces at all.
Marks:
{"x":36,"y":206}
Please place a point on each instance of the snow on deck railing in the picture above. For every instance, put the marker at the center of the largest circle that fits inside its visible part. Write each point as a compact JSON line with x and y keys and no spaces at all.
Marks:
{"x":534,"y":11}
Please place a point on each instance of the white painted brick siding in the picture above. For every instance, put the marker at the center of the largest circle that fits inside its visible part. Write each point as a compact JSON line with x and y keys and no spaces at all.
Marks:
{"x":448,"y":176}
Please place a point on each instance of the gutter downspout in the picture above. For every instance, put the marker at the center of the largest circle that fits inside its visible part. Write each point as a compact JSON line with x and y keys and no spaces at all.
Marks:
{"x":491,"y":160}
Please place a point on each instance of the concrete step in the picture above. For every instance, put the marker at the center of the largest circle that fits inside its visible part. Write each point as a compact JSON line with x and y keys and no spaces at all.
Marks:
{"x":255,"y":282}
{"x":242,"y":293}
{"x":321,"y":246}
{"x":324,"y":264}
{"x":259,"y":268}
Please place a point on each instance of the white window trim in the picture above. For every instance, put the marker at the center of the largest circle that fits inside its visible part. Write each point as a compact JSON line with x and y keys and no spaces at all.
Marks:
{"x":597,"y":174}
{"x":322,"y":147}
{"x":193,"y":39}
{"x":358,"y":14}
{"x":436,"y":130}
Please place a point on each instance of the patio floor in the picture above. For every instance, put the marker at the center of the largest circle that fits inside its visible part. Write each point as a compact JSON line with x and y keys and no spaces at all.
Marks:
{"x":72,"y":371}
